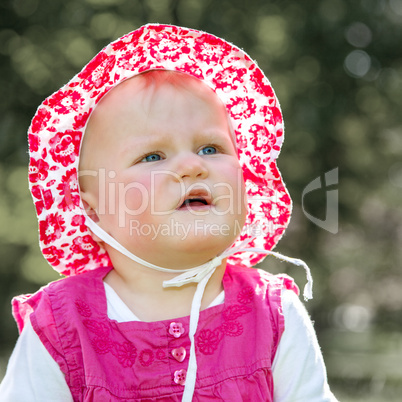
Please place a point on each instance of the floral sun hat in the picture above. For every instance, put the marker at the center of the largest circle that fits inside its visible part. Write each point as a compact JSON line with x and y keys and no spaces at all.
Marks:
{"x":58,"y":126}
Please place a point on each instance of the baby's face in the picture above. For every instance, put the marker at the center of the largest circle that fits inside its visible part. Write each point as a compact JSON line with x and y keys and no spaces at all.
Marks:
{"x":159,"y":166}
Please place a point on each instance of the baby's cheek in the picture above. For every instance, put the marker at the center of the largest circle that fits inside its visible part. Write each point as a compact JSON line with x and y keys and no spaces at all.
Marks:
{"x":117,"y":197}
{"x":151,"y":195}
{"x":134,"y":198}
{"x":231,"y":182}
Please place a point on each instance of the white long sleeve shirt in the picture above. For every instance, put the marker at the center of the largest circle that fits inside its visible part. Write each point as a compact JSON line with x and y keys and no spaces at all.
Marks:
{"x":298,"y":369}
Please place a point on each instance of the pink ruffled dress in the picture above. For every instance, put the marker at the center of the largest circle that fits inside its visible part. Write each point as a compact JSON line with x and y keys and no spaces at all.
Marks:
{"x":104,"y":360}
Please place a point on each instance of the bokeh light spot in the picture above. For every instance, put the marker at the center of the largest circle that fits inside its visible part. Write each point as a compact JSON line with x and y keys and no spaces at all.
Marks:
{"x":79,"y":51}
{"x":28,"y":61}
{"x":103,"y":25}
{"x":357,"y":63}
{"x":272,"y":33}
{"x":352,"y":317}
{"x":358,"y":34}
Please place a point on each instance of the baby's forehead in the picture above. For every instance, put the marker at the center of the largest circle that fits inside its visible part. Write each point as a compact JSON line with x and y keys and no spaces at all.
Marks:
{"x":150,"y":87}
{"x":150,"y":95}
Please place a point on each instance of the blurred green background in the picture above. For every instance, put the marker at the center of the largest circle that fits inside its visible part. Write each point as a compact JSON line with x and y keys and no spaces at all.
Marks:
{"x":336,"y":66}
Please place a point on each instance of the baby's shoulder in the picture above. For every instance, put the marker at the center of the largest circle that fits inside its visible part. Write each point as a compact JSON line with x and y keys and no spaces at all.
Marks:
{"x":77,"y":284}
{"x":58,"y":295}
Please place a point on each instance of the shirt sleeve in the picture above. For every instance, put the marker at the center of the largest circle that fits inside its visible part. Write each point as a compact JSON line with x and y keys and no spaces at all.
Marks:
{"x":298,"y":369}
{"x":32,"y":374}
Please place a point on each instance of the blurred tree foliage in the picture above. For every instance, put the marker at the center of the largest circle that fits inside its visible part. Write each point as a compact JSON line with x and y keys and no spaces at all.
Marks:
{"x":336,"y":66}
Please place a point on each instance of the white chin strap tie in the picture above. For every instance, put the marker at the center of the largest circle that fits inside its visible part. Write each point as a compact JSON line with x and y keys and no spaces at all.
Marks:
{"x":199,"y":275}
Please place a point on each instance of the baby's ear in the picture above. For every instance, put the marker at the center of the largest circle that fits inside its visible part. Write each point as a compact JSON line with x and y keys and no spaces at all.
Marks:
{"x":90,"y":205}
{"x":90,"y":209}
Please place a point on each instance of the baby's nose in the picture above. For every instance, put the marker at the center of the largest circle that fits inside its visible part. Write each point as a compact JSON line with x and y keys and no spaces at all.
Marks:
{"x":191,"y":166}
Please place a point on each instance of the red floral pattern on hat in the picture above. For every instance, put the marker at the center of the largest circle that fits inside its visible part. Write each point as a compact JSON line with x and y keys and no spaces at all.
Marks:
{"x":131,"y":61}
{"x":80,"y":120}
{"x":39,"y":122}
{"x":51,"y":228}
{"x":38,"y":170}
{"x":240,"y":108}
{"x":68,"y":190}
{"x":211,"y":50}
{"x":84,"y":245}
{"x":99,"y":75}
{"x":57,"y":128}
{"x":79,"y":221}
{"x":33,"y":141}
{"x":40,"y":193}
{"x":230,"y":78}
{"x":64,"y":147}
{"x":53,"y":255}
{"x":63,"y":102}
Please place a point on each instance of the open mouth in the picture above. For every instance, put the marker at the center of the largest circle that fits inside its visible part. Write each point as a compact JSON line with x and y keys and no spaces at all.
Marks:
{"x":195,"y":200}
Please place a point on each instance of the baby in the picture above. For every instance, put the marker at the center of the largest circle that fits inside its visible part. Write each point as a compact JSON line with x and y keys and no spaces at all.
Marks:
{"x":156,"y":216}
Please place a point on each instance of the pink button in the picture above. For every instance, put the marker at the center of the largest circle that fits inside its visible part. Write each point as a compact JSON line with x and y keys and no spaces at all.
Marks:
{"x":176,"y":329}
{"x":179,"y":354}
{"x":180,"y":377}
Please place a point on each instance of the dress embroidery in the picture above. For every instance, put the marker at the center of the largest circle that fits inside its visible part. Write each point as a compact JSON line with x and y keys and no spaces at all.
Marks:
{"x":125,"y":352}
{"x":160,"y":354}
{"x":146,"y":357}
{"x":232,"y":328}
{"x":102,"y":345}
{"x":235,"y":311}
{"x":98,"y":328}
{"x":208,"y":340}
{"x":246,"y":295}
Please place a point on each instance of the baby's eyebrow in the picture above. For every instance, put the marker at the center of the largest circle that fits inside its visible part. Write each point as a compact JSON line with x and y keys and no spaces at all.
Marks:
{"x":140,"y":145}
{"x":212,"y":136}
{"x":219,"y":137}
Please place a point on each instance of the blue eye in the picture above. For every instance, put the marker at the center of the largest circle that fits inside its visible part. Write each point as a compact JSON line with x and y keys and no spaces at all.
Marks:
{"x":151,"y":158}
{"x":207,"y":151}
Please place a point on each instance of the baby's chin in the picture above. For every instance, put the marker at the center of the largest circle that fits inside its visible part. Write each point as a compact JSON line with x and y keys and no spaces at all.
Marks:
{"x":181,"y":252}
{"x":197,"y":250}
